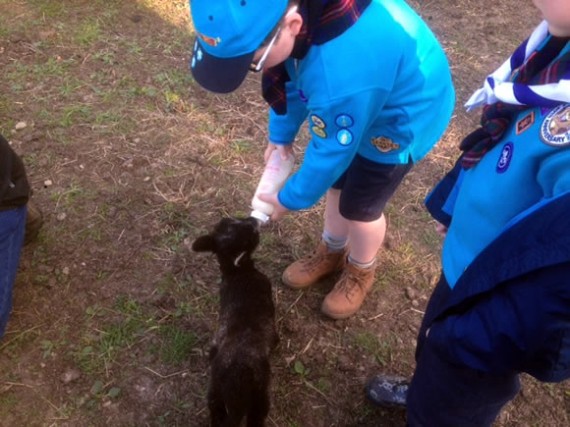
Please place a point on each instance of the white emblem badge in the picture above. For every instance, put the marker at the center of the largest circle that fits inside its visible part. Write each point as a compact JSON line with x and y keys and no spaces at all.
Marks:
{"x":555,"y":129}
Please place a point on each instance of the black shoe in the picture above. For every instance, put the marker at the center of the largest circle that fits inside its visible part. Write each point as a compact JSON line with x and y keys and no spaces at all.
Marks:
{"x":388,"y":391}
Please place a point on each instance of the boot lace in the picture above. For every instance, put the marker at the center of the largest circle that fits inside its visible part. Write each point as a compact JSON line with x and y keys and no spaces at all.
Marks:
{"x":350,"y":280}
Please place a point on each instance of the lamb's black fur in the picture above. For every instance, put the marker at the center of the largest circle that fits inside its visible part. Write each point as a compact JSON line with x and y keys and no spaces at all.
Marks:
{"x":239,"y":357}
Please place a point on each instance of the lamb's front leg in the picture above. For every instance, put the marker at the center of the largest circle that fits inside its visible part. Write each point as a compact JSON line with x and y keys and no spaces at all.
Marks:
{"x":213,"y":352}
{"x":217,"y":407}
{"x":260,"y":409}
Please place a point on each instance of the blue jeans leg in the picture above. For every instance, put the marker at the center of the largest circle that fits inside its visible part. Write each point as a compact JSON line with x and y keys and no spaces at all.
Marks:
{"x":12,"y":227}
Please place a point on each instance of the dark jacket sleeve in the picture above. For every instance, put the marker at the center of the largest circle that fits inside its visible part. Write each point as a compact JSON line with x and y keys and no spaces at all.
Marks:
{"x":14,"y":186}
{"x":522,"y":325}
{"x":439,"y":202}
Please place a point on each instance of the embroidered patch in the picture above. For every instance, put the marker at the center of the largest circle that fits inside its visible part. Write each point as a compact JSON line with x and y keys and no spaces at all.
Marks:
{"x":319,"y":126}
{"x":505,"y":157}
{"x":344,"y":137}
{"x":344,"y":121}
{"x":525,"y":123}
{"x":555,"y":129}
{"x":319,"y":131}
{"x":384,"y":144}
{"x":211,"y":41}
{"x":318,"y":122}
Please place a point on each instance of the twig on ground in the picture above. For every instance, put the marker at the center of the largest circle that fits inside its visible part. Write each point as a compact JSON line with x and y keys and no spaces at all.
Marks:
{"x":165,"y":376}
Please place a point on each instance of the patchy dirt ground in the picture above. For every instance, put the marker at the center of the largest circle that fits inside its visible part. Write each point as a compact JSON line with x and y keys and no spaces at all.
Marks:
{"x":129,"y":161}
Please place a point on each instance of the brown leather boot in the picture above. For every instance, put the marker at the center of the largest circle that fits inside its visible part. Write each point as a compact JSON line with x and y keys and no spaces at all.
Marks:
{"x":349,"y":292}
{"x":314,"y":267}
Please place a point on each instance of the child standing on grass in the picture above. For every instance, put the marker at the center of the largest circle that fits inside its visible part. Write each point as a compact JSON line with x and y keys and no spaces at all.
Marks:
{"x":375,"y":87}
{"x":502,"y":305}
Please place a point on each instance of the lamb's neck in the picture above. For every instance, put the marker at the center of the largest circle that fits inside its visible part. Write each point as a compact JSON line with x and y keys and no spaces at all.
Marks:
{"x":242,"y":261}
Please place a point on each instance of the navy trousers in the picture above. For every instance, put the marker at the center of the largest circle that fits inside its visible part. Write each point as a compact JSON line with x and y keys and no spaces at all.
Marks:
{"x":443,"y":394}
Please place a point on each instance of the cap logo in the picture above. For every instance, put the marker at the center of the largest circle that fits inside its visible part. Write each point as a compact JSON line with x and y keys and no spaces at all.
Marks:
{"x":211,"y":41}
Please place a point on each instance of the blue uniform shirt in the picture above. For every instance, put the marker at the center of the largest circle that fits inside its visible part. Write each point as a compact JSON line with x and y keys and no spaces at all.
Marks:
{"x":528,"y":168}
{"x":382,"y":89}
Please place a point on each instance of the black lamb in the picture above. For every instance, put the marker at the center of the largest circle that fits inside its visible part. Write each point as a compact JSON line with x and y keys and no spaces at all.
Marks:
{"x":239,"y":356}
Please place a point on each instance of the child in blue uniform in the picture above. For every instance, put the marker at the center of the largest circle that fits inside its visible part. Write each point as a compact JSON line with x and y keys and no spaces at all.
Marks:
{"x":374,"y":85}
{"x":502,"y":305}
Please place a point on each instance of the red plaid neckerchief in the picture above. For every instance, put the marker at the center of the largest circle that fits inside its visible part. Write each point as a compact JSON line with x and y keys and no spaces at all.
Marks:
{"x":323,"y":20}
{"x":540,"y":68}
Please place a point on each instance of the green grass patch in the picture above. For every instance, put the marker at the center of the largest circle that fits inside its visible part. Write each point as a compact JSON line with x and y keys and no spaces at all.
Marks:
{"x":8,"y":401}
{"x":4,"y":107}
{"x":75,"y":114}
{"x":368,"y":342}
{"x":53,"y":67}
{"x":48,"y":8}
{"x":70,"y":87}
{"x":88,"y":33}
{"x":100,"y":350}
{"x":242,"y":146}
{"x":70,"y":196}
{"x":176,"y":344}
{"x":106,"y":56}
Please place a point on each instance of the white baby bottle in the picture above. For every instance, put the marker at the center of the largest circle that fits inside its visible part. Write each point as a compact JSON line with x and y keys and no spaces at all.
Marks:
{"x":274,"y":176}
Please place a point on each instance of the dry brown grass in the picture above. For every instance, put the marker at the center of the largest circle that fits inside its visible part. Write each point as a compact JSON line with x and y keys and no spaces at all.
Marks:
{"x":142,"y":161}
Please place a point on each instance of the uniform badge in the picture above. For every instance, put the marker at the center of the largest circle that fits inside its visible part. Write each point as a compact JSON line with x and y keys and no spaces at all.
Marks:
{"x":525,"y":123}
{"x":318,"y":122}
{"x":318,"y":126}
{"x":385,"y":145}
{"x":344,"y":121}
{"x":212,"y":41}
{"x":555,"y":129}
{"x":319,"y":131}
{"x":344,"y":137}
{"x":505,"y":157}
{"x":197,"y":56}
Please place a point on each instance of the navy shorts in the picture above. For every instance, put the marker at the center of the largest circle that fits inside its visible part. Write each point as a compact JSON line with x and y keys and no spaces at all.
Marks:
{"x":366,"y":187}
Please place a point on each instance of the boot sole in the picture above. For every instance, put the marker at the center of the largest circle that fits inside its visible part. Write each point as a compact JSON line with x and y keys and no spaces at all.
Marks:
{"x":293,"y":285}
{"x":338,"y":316}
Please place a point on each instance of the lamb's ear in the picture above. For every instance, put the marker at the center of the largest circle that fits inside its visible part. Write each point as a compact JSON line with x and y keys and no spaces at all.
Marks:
{"x":203,"y":244}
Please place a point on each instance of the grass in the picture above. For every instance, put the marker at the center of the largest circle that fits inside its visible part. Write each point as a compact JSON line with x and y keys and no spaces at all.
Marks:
{"x":48,"y":9}
{"x":381,"y":350}
{"x":87,"y":33}
{"x":141,"y":163}
{"x":108,"y":334}
{"x":176,"y":344}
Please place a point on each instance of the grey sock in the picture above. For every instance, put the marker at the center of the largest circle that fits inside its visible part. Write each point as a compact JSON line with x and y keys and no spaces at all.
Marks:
{"x":334,"y":244}
{"x":360,"y":264}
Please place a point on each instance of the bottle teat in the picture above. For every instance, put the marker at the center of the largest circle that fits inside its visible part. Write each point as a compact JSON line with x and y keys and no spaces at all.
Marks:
{"x":260,"y":217}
